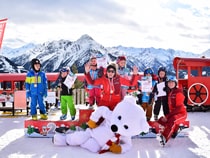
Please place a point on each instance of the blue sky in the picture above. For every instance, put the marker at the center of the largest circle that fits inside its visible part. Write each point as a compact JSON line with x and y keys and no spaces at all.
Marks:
{"x":177,"y":24}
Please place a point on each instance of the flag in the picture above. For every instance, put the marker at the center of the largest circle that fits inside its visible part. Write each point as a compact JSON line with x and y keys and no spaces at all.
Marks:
{"x":2,"y":28}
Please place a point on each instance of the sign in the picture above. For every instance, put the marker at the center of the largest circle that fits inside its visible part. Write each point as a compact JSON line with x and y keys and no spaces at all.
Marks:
{"x":69,"y":81}
{"x":102,"y":62}
{"x":3,"y":98}
{"x":146,"y":84}
{"x":20,"y":100}
{"x":2,"y":28}
{"x":160,"y":87}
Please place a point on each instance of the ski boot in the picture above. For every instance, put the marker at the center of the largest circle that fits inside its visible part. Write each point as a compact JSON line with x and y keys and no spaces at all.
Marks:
{"x":91,"y":107}
{"x":43,"y":116}
{"x":163,"y":140}
{"x":63,"y":117}
{"x":73,"y":118}
{"x":34,"y":117}
{"x":153,"y":130}
{"x":155,"y":117}
{"x":181,"y":127}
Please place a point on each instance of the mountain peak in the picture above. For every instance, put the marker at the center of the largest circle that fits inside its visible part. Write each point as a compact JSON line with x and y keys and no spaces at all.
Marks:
{"x":85,"y":37}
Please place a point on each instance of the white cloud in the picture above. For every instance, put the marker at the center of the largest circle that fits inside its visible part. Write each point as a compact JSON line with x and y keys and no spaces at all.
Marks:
{"x":181,"y":25}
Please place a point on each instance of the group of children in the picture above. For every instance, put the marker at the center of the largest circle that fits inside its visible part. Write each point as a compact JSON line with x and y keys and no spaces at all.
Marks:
{"x":107,"y":87}
{"x":100,"y":89}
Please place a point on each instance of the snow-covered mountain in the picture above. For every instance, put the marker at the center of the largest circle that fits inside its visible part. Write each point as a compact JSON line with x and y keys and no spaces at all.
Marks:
{"x":56,"y":54}
{"x":152,"y":57}
{"x":7,"y":66}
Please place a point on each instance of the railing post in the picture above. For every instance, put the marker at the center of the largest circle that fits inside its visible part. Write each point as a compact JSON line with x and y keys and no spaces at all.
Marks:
{"x":79,"y":96}
{"x":74,"y":96}
{"x":82,"y":96}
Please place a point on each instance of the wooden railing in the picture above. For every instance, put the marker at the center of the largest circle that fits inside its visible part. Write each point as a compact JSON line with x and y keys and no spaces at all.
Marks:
{"x":20,"y":103}
{"x":80,"y":96}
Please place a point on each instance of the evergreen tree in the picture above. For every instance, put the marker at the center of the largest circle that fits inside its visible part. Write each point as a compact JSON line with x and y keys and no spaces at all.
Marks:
{"x":78,"y":84}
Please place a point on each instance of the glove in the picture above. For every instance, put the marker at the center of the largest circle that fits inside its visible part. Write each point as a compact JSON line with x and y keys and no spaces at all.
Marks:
{"x":115,"y":148}
{"x":151,"y":98}
{"x":45,"y":94}
{"x":28,"y":94}
{"x":91,"y":124}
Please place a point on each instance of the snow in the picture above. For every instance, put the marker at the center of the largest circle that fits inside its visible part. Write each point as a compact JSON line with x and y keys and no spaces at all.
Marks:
{"x":14,"y":143}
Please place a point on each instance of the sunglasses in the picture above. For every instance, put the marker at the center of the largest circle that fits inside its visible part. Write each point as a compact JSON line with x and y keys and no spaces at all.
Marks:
{"x":94,"y":65}
{"x":111,"y":71}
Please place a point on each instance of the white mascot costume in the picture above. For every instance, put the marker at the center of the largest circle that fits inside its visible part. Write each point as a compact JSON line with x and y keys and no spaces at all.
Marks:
{"x":114,"y":133}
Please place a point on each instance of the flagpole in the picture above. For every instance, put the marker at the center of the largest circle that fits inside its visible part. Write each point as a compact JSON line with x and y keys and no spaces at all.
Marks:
{"x":2,"y":29}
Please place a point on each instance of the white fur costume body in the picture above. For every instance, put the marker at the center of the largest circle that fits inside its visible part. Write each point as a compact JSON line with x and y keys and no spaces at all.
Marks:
{"x":127,"y":119}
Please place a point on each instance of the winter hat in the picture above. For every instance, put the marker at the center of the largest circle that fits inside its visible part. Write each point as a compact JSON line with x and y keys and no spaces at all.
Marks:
{"x":120,"y":58}
{"x":111,"y":66}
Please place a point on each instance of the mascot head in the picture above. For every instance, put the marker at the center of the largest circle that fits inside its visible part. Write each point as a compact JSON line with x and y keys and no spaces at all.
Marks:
{"x":128,"y":118}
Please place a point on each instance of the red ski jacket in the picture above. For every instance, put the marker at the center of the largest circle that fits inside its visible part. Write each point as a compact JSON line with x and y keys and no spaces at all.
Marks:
{"x":111,"y":91}
{"x":176,"y":103}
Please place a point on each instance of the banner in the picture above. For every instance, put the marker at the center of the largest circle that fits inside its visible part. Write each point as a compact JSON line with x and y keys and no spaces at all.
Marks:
{"x":2,"y":28}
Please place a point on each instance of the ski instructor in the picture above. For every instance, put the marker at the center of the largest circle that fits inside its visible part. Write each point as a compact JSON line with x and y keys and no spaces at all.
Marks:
{"x":177,"y":112}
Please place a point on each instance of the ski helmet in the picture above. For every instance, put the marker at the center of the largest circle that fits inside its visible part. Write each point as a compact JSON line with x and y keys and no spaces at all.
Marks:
{"x":65,"y":69}
{"x":33,"y":62}
{"x":172,"y":79}
{"x":162,"y":69}
{"x":148,"y":71}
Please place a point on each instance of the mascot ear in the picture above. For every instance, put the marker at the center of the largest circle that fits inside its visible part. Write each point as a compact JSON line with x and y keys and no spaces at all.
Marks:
{"x":130,"y":99}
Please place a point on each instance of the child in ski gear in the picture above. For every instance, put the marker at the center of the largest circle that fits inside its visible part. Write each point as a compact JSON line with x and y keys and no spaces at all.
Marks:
{"x":113,"y":134}
{"x":36,"y":89}
{"x":124,"y":72}
{"x":161,"y":100}
{"x":94,"y":91}
{"x":177,"y":111}
{"x":147,"y":98}
{"x":111,"y":83}
{"x":66,"y":95}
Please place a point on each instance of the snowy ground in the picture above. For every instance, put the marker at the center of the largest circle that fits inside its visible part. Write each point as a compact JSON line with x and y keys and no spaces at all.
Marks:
{"x":14,"y":143}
